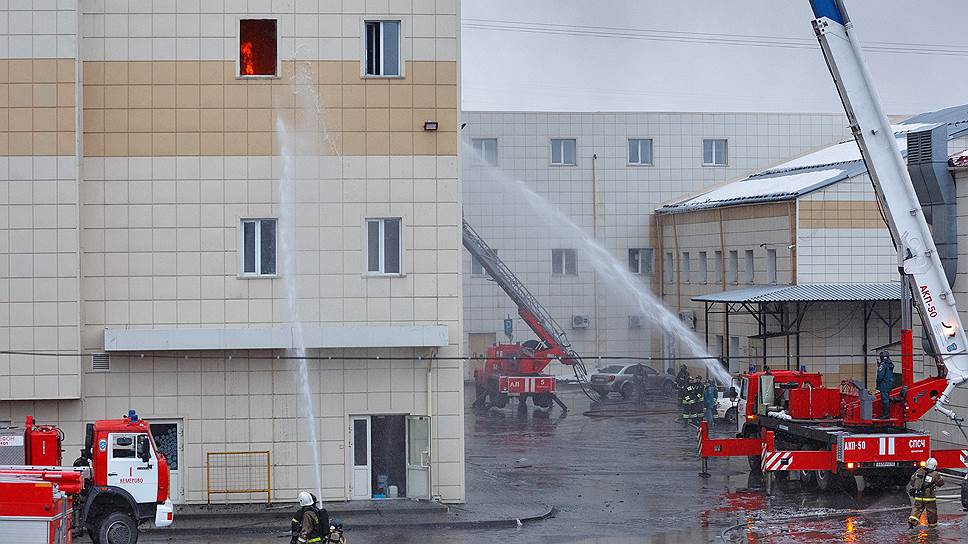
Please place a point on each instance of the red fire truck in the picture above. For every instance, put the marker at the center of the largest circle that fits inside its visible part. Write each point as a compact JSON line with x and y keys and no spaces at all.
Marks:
{"x":119,"y":481}
{"x":795,"y":426}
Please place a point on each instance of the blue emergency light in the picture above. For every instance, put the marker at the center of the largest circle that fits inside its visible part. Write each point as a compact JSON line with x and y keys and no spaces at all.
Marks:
{"x":133,"y":416}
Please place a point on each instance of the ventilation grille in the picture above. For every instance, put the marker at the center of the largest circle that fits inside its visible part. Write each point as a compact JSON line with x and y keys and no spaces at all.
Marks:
{"x":919,"y":147}
{"x":100,"y":362}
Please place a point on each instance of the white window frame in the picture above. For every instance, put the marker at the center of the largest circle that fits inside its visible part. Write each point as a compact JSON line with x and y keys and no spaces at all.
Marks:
{"x":258,"y":247}
{"x":644,"y":261}
{"x":771,"y":266}
{"x":725,"y":152}
{"x":480,"y":155}
{"x":382,"y":255}
{"x":668,"y":265}
{"x":651,"y":152}
{"x":238,"y":44}
{"x":718,"y":265}
{"x":401,"y":59}
{"x":561,"y":142}
{"x":564,"y":252}
{"x":749,"y":265}
{"x":732,"y":267}
{"x":703,"y":268}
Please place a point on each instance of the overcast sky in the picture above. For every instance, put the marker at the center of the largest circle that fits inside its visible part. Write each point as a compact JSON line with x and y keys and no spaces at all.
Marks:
{"x":702,"y":55}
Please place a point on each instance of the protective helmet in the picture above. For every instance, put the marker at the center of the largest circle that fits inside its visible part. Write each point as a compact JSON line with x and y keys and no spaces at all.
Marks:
{"x":931,"y":464}
{"x":306,"y":498}
{"x":884,"y":355}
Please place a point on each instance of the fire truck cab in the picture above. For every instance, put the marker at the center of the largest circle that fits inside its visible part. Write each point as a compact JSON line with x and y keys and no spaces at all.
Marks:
{"x":129,"y":483}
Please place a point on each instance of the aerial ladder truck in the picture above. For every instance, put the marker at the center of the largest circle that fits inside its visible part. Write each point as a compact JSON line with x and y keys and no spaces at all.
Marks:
{"x":790,"y":425}
{"x":515,"y":370}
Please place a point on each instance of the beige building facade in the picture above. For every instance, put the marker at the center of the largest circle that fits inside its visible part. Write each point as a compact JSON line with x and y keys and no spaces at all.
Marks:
{"x":190,"y":193}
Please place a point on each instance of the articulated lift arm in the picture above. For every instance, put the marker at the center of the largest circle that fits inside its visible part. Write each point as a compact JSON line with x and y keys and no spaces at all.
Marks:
{"x":530,"y":310}
{"x":917,"y":255}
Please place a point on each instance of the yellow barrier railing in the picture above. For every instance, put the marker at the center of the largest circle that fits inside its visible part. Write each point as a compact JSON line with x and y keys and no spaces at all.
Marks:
{"x":234,"y":472}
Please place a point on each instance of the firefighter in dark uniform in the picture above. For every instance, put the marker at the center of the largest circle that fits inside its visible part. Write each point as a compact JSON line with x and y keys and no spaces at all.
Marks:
{"x":310,"y":524}
{"x":692,"y":401}
{"x":923,"y":483}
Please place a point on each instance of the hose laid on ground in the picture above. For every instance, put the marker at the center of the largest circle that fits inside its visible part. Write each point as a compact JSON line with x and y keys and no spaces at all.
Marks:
{"x":731,"y":528}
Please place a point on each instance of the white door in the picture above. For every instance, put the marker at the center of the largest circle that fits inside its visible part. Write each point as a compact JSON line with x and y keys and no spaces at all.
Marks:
{"x":168,"y":437}
{"x":133,"y":466}
{"x":361,"y":487}
{"x":418,"y":457}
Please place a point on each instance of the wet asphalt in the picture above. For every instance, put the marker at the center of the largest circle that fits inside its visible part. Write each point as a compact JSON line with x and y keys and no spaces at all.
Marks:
{"x":634,"y":478}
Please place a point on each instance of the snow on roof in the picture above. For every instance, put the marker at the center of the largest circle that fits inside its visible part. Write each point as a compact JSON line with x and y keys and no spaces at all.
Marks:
{"x":818,"y":169}
{"x":764,"y":188}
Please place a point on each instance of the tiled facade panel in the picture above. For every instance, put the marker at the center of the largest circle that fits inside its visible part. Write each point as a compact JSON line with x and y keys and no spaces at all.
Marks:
{"x":252,"y":402}
{"x":39,"y":264}
{"x":842,"y":236}
{"x":623,"y":200}
{"x":192,"y":108}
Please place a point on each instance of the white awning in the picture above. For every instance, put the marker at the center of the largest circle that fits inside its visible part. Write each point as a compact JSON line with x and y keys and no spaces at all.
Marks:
{"x":362,"y":336}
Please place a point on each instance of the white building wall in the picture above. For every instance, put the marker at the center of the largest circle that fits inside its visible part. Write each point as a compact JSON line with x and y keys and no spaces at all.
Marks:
{"x":625,"y":197}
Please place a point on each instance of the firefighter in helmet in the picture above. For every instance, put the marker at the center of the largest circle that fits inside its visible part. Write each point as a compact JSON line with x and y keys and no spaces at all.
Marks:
{"x":885,"y":382}
{"x":923,"y":483}
{"x":310,"y":523}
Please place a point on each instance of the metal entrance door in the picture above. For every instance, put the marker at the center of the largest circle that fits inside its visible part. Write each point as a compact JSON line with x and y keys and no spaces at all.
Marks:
{"x":418,"y":457}
{"x":360,"y":486}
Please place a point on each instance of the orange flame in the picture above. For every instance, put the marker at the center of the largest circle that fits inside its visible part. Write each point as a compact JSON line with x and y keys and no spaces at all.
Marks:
{"x":248,"y":67}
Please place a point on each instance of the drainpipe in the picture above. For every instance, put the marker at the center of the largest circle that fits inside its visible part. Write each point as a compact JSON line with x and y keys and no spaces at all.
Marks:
{"x":598,"y":350}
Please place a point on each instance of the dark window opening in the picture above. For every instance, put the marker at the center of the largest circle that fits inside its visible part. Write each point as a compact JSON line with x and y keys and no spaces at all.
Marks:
{"x":383,"y":48}
{"x":258,"y":47}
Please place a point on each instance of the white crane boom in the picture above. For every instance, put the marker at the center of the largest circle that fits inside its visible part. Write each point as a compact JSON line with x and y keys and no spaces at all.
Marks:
{"x":892,"y":184}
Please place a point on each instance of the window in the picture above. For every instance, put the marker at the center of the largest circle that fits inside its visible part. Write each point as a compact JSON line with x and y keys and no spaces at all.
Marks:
{"x":732,"y":267}
{"x":714,"y":152}
{"x":719,"y":348}
{"x":258,"y":48}
{"x":258,"y":247}
{"x":640,"y":261}
{"x":667,"y":265}
{"x":748,"y":257}
{"x":703,"y":273}
{"x":477,"y":269}
{"x":122,"y":446}
{"x":718,"y":266}
{"x":640,"y":151}
{"x":485,"y":150}
{"x":383,"y":48}
{"x":771,"y":265}
{"x":563,"y":152}
{"x":564,"y":262}
{"x":684,"y":267}
{"x":383,"y":246}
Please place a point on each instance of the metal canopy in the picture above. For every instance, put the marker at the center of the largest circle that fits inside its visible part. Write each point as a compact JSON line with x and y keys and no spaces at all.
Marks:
{"x":807,"y":292}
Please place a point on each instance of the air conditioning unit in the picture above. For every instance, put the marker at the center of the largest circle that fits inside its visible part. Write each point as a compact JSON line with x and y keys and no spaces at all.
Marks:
{"x":100,"y":362}
{"x":580,"y":321}
{"x":635,"y":321}
{"x":689,"y":318}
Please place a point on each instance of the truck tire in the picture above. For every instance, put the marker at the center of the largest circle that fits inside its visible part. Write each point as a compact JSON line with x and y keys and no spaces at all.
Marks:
{"x":825,"y":480}
{"x":117,"y":528}
{"x":542,"y":400}
{"x":499,"y":400}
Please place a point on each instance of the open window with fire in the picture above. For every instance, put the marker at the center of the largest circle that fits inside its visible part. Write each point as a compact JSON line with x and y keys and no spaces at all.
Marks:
{"x":258,"y":48}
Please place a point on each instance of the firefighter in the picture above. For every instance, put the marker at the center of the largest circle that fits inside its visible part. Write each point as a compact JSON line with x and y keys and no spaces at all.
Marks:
{"x":710,"y":394}
{"x":692,"y":396}
{"x":921,"y":488}
{"x":310,"y":523}
{"x":885,"y":382}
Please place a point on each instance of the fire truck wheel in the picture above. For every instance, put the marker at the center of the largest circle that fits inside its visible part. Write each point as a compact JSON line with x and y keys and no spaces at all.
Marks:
{"x":808,"y":479}
{"x":117,"y":528}
{"x":825,"y":480}
{"x":542,"y":400}
{"x":500,"y":400}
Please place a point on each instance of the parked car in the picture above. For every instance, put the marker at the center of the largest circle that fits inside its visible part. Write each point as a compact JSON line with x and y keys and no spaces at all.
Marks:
{"x":621,"y":379}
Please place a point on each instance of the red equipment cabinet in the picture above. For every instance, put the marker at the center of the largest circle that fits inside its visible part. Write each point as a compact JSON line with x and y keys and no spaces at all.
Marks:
{"x":34,"y":510}
{"x":814,"y":402}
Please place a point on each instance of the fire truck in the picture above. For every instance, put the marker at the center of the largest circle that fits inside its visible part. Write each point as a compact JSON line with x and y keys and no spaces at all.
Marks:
{"x":515,"y":370}
{"x":790,"y":425}
{"x":120,"y":481}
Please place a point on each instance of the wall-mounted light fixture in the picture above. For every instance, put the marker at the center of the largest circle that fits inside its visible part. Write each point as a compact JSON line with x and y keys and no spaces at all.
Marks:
{"x":430,"y":126}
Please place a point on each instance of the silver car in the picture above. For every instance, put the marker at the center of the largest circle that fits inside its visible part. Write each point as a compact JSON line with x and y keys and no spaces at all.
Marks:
{"x":621,"y":379}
